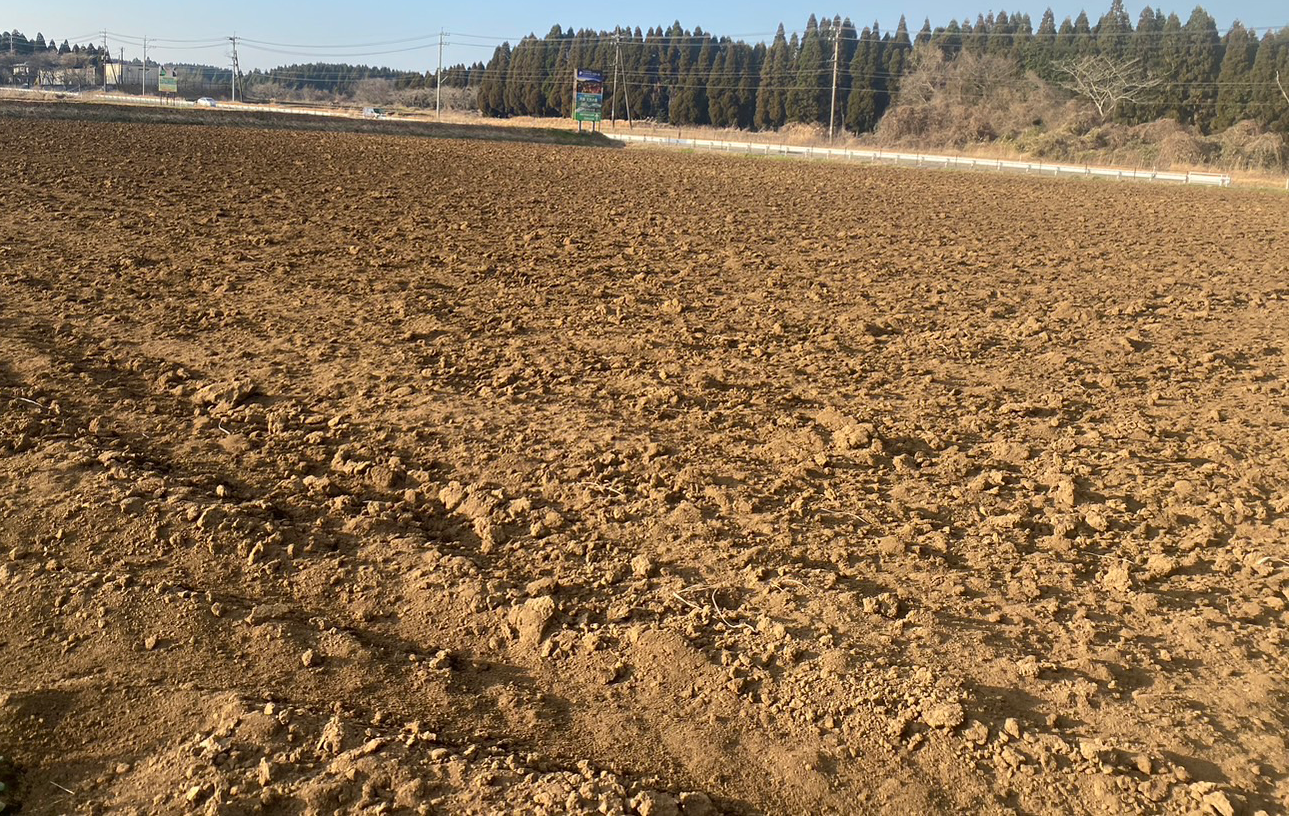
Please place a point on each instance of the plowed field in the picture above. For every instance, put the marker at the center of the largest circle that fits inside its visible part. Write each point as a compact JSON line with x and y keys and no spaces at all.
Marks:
{"x":345,"y":473}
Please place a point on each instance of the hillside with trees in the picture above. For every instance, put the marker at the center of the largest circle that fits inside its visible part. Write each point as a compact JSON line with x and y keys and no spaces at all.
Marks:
{"x":1186,"y":71}
{"x":1163,"y":91}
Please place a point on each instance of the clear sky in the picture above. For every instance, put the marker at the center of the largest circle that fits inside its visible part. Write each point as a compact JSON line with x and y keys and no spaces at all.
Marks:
{"x":328,"y":22}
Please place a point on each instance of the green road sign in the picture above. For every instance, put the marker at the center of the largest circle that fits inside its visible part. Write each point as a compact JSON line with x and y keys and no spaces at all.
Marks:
{"x":588,"y":107}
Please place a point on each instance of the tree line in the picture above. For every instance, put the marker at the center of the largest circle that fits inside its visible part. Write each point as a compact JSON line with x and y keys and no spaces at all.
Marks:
{"x":342,"y":78}
{"x":1199,"y":76}
{"x":15,"y":43}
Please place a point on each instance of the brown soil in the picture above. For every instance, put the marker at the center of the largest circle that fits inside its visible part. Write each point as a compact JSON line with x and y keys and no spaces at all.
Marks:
{"x":236,"y":116}
{"x":353,"y":473}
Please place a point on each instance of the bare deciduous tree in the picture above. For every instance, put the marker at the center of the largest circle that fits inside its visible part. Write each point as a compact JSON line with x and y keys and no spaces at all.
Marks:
{"x":373,"y":91}
{"x":1283,"y":93}
{"x":967,"y":79}
{"x":1107,"y":82}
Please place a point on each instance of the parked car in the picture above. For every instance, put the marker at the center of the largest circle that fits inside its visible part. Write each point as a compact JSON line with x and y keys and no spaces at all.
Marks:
{"x":205,"y":102}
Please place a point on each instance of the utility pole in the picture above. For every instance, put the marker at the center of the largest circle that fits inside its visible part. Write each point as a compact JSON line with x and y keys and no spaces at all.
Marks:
{"x":103,"y":60}
{"x":438,"y":82}
{"x":143,"y":83}
{"x":626,"y":84}
{"x":613,"y":104}
{"x":236,"y":69}
{"x":836,"y":52}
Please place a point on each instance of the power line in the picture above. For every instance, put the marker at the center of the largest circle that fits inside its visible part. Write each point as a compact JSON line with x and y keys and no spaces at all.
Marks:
{"x":138,"y":38}
{"x":846,"y":34}
{"x":344,"y":45}
{"x":271,"y":50}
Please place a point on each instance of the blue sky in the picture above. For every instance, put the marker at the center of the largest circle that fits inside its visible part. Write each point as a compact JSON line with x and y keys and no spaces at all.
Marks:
{"x":329,"y":22}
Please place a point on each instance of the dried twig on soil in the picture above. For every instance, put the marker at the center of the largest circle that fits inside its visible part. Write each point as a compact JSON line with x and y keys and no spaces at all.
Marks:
{"x":778,"y":583}
{"x":864,"y":517}
{"x":714,"y":608}
{"x":597,"y":486}
{"x":686,"y":601}
{"x":720,"y":613}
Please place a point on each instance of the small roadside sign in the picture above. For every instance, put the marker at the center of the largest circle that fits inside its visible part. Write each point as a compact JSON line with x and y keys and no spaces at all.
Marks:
{"x":167,"y":81}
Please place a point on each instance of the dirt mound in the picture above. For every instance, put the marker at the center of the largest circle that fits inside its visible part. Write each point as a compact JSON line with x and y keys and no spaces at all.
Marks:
{"x":1180,"y":150}
{"x":347,"y":473}
{"x":1246,"y":146}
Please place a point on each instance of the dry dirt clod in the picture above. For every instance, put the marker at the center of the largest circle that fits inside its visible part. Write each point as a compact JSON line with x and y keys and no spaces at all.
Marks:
{"x":642,"y":566}
{"x":1065,"y":493}
{"x":696,"y":804}
{"x":1011,"y":727}
{"x":132,"y":506}
{"x":653,"y":803}
{"x":1093,"y":750}
{"x":1219,"y":803}
{"x":532,"y":618}
{"x":944,"y":715}
{"x":1117,"y":578}
{"x":976,"y":732}
{"x":223,"y":397}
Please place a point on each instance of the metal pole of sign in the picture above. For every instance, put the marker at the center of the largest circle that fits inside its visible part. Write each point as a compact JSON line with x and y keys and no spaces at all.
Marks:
{"x":575,"y":116}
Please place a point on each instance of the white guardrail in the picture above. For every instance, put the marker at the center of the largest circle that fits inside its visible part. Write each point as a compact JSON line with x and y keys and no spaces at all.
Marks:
{"x":929,"y":160}
{"x":226,"y":106}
